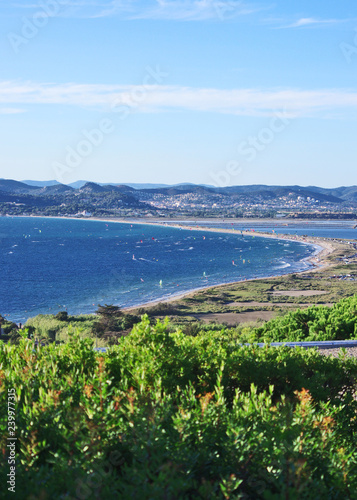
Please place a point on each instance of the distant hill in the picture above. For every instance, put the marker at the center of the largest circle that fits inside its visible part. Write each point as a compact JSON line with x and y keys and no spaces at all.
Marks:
{"x":139,"y":186}
{"x":159,"y":186}
{"x":55,"y":189}
{"x":181,"y":189}
{"x":91,"y":187}
{"x":41,"y":183}
{"x":269,"y":192}
{"x":10,"y":186}
{"x":16,"y":187}
{"x":79,"y":184}
{"x":260,"y":192}
{"x":345,"y":193}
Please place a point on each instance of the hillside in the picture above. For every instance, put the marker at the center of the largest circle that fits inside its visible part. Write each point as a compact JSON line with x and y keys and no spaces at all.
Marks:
{"x":181,"y":199}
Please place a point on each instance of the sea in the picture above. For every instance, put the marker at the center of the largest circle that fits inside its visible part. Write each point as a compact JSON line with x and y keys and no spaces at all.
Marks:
{"x":51,"y":264}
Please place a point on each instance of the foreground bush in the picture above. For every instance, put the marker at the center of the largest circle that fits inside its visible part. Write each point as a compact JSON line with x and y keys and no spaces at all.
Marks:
{"x":166,"y":416}
{"x":338,"y":322}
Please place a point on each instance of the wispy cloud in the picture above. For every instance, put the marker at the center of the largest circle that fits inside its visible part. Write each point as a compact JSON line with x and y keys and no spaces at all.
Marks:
{"x":197,"y":10}
{"x":176,"y":10}
{"x":161,"y":98}
{"x":304,"y":22}
{"x":11,"y":111}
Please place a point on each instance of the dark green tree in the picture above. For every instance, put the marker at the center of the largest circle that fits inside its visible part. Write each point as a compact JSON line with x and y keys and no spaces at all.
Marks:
{"x":109,"y":320}
{"x":62,"y":316}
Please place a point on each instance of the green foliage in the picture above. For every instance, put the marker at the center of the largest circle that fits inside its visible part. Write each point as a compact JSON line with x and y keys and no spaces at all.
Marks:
{"x":163,"y":415}
{"x":162,"y":308}
{"x":53,"y":327}
{"x":62,"y":316}
{"x":109,"y":311}
{"x":314,"y":323}
{"x":7,"y":326}
{"x":112,"y":321}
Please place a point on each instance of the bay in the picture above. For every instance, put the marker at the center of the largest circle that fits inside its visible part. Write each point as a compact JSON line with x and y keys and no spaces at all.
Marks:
{"x":48,"y":265}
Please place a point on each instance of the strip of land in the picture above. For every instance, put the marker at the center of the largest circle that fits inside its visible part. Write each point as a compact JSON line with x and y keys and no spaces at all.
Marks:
{"x":333,"y":276}
{"x":320,"y":261}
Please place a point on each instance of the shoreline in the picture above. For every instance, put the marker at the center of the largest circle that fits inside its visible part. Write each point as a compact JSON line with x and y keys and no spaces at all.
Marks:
{"x":317,"y":260}
{"x":323,"y":249}
{"x":192,"y":292}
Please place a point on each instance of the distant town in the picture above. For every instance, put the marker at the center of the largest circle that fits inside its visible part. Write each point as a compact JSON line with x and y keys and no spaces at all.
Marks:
{"x":88,"y":199}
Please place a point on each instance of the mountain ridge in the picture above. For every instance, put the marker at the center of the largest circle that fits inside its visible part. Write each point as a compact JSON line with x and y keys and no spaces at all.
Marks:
{"x":338,"y":194}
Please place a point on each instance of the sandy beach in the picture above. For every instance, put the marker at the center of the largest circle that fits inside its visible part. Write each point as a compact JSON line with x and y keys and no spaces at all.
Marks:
{"x":324,"y":247}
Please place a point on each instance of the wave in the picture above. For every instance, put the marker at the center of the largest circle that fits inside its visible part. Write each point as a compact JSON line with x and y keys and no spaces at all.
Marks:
{"x":147,"y":260}
{"x":92,"y":263}
{"x":283,"y":266}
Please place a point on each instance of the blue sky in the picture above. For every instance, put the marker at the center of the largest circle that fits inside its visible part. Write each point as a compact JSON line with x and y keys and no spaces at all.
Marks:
{"x":210,"y":91}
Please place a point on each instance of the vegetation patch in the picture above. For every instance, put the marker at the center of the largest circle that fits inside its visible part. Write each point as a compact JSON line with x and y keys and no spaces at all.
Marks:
{"x":172,"y":414}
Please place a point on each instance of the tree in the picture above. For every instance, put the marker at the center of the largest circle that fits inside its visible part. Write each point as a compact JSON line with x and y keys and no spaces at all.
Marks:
{"x":62,"y":316}
{"x":107,"y":311}
{"x":109,"y":317}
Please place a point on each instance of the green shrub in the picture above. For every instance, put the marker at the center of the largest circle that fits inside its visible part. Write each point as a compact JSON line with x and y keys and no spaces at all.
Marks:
{"x":62,"y":316}
{"x":338,"y":322}
{"x":56,"y":327}
{"x":163,"y":415}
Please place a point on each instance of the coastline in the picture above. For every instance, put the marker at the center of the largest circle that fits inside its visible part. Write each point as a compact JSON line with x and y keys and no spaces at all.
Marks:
{"x":308,"y":240}
{"x":326,"y":250}
{"x":324,"y":247}
{"x":318,"y":260}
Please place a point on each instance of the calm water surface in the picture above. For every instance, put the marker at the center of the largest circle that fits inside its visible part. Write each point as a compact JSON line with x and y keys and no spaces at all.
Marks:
{"x":48,"y":265}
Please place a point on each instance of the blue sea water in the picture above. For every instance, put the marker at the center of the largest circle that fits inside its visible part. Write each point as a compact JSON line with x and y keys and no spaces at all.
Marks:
{"x":48,"y":265}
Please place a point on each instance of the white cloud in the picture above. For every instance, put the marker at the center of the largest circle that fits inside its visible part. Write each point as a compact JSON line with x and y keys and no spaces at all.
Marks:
{"x":311,"y":21}
{"x":11,"y":111}
{"x":178,"y":10}
{"x":197,"y":10}
{"x":161,"y":98}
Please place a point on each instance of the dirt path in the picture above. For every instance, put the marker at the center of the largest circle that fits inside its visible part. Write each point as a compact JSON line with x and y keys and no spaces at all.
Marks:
{"x":233,"y":319}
